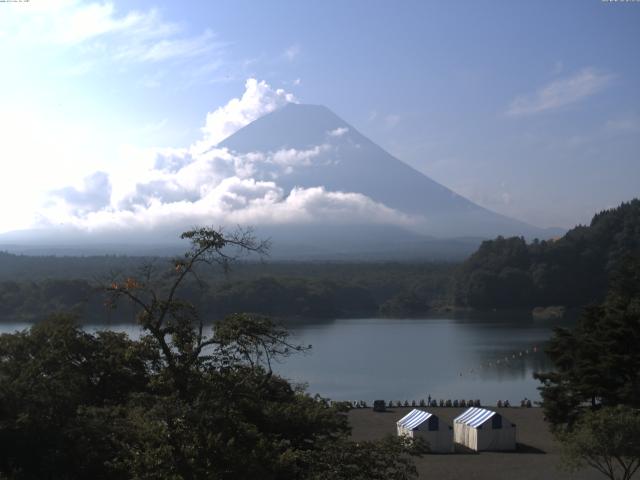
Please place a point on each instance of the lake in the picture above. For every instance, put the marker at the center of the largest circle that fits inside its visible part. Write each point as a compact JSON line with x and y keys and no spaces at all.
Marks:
{"x":489,"y":357}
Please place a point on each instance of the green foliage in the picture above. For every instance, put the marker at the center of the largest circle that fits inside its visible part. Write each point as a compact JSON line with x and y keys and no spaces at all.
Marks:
{"x":384,"y":460}
{"x":405,"y":304}
{"x":27,"y":300}
{"x":180,"y":403}
{"x":288,"y":297}
{"x":21,"y":268}
{"x":278,"y":290}
{"x":597,"y":363}
{"x":572,"y":271}
{"x":77,"y":405}
{"x":607,"y":440}
{"x":53,"y":380}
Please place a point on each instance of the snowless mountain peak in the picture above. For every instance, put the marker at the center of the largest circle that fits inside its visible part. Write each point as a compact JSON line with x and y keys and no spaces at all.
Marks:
{"x":299,"y":174}
{"x":340,"y":158}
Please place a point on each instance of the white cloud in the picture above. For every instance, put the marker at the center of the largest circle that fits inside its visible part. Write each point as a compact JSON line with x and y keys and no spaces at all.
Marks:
{"x":40,"y":153}
{"x":94,"y":194}
{"x":167,"y":49}
{"x":291,"y":157}
{"x":292,"y":52}
{"x":187,"y":186}
{"x":560,"y":93}
{"x":258,"y":99}
{"x":170,"y":189}
{"x":186,"y":174}
{"x":238,"y":201}
{"x":338,"y":132}
{"x":81,"y":22}
{"x":100,"y":30}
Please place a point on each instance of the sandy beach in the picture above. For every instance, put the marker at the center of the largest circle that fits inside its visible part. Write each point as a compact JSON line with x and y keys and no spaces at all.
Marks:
{"x":537,"y":456}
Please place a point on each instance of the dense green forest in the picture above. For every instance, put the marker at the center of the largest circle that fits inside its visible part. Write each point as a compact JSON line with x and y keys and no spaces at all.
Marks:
{"x":283,"y":289}
{"x":572,"y":271}
{"x":591,"y":396}
{"x":504,"y":273}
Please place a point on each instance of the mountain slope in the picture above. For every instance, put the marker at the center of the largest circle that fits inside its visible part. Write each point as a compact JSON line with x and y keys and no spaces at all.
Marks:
{"x":350,"y":162}
{"x":301,"y":176}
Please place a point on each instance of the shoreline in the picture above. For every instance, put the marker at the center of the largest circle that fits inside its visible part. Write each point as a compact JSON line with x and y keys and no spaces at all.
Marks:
{"x":537,"y":455}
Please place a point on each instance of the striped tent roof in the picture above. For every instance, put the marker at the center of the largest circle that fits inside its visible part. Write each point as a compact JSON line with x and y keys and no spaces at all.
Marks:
{"x":474,"y":417}
{"x":414,"y":419}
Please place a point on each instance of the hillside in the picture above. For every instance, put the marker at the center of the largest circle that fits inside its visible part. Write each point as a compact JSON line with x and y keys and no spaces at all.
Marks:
{"x":573,"y":270}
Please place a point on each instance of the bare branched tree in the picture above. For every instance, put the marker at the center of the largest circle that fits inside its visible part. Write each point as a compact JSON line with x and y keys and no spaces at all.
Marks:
{"x":176,"y":325}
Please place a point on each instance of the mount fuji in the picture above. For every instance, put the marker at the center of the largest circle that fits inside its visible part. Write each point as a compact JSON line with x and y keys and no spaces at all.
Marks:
{"x":350,"y":162}
{"x":301,"y":176}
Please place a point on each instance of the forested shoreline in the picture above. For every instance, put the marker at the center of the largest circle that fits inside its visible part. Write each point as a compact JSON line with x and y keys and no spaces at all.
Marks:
{"x":573,"y":270}
{"x":147,"y":407}
{"x":318,"y":290}
{"x":505,"y":273}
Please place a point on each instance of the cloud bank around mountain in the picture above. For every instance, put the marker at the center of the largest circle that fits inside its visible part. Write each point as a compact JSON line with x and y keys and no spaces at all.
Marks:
{"x":93,"y":195}
{"x":258,"y":100}
{"x":205,"y":184}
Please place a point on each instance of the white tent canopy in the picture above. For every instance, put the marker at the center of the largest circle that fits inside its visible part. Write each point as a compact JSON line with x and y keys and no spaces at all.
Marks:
{"x":475,"y":416}
{"x":425,"y":425}
{"x":482,"y":429}
{"x":414,"y":419}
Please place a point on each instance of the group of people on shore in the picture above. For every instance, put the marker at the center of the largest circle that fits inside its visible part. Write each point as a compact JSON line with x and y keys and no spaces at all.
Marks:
{"x":421,"y":403}
{"x":524,"y":403}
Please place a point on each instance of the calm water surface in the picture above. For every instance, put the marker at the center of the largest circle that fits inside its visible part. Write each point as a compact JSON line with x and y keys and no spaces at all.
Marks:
{"x":487,"y":357}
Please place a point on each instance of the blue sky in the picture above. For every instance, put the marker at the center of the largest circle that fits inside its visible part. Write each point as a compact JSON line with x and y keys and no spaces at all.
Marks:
{"x":531,"y":109}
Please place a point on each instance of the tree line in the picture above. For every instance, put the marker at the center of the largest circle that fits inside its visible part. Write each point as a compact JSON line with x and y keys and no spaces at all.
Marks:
{"x":573,"y":270}
{"x":592,"y":396}
{"x":280,"y":290}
